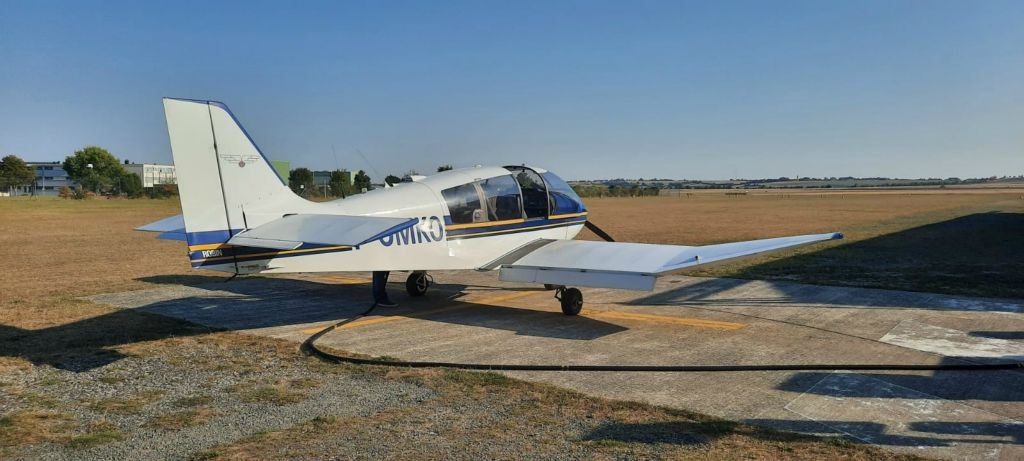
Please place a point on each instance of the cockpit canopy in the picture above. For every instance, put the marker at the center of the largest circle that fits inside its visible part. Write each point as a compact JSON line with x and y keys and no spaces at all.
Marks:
{"x":523,"y":194}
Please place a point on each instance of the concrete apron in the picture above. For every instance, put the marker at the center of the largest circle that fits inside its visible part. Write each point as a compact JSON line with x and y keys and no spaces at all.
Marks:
{"x":471,"y":317}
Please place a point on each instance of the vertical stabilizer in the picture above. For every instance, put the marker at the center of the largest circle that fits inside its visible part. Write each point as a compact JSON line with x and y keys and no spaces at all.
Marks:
{"x":221,"y":173}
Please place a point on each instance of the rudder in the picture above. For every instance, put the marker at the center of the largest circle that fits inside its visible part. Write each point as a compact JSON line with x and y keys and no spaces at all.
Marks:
{"x":221,"y":173}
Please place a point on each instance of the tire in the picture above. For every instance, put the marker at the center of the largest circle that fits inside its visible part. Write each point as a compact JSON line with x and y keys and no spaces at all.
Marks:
{"x":572,"y":301}
{"x":417,"y":284}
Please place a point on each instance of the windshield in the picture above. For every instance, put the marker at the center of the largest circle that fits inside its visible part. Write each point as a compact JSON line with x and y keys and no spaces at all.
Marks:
{"x":535,"y":197}
{"x":563,"y":199}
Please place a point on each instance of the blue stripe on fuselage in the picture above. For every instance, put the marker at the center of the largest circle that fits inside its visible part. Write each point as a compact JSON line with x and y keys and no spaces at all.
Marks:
{"x":526,"y":226}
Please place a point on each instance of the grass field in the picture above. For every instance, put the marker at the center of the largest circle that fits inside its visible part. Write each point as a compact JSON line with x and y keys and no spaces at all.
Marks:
{"x":958,"y":242}
{"x":75,"y":375}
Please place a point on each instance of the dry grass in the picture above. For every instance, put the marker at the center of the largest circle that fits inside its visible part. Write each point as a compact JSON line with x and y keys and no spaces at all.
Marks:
{"x":124,"y":405}
{"x":56,"y":251}
{"x":281,"y":392}
{"x":193,"y":401}
{"x":34,"y":426}
{"x":714,"y":217}
{"x":181,"y":419}
{"x":961,"y":242}
{"x":98,"y":433}
{"x":537,"y":411}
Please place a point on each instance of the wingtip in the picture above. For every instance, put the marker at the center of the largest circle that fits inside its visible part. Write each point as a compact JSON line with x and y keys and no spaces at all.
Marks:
{"x":837,"y":236}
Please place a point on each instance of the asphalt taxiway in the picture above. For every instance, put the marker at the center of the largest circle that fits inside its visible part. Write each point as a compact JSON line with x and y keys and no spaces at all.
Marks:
{"x":471,"y":317}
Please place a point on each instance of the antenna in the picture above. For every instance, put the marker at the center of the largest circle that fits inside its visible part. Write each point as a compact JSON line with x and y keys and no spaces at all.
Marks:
{"x":368,"y":162}
{"x":337,"y":165}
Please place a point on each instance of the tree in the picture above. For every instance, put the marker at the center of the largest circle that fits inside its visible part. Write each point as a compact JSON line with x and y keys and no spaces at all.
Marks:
{"x":15,"y":172}
{"x":362,"y":181}
{"x":392,"y":179}
{"x":131,"y":185}
{"x":301,"y":181}
{"x":444,"y":167}
{"x":340,"y":184}
{"x":105,"y":172}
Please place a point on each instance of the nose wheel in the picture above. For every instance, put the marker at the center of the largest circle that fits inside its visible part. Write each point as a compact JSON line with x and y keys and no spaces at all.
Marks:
{"x":571,"y":299}
{"x":418,"y":283}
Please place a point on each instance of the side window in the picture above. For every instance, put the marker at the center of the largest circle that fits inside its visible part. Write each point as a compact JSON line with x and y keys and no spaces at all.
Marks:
{"x":502,"y":196}
{"x":563,"y":199}
{"x":463,"y":202}
{"x":535,"y":195}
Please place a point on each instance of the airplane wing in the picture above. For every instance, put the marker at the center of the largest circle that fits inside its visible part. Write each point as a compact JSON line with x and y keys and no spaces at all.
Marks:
{"x":291,"y":231}
{"x":172,"y":228}
{"x":630,"y":266}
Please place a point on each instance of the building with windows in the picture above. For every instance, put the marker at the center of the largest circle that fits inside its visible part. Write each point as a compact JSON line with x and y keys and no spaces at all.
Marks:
{"x":152,"y":174}
{"x":50,"y":178}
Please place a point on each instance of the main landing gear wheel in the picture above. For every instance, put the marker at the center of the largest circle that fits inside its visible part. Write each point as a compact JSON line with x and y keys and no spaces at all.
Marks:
{"x":417,"y":283}
{"x":572,"y":300}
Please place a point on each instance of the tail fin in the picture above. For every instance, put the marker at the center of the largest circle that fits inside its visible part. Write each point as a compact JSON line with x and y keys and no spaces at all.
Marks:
{"x":221,"y":173}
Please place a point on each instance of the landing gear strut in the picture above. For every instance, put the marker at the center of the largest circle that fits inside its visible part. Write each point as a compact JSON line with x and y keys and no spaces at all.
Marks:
{"x":417,"y":283}
{"x":571,"y":299}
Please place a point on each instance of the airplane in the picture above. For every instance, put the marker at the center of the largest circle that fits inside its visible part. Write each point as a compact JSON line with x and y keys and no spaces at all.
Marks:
{"x":239,"y":216}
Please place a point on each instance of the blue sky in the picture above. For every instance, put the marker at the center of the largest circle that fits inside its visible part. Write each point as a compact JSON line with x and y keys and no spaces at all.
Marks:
{"x":588,"y":89}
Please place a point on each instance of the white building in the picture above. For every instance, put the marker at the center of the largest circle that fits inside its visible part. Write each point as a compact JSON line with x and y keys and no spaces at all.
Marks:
{"x":153,"y":174}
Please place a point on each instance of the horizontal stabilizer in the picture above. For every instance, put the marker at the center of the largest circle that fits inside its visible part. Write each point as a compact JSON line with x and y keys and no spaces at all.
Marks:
{"x":292,"y":231}
{"x":631,"y":266}
{"x":172,"y":228}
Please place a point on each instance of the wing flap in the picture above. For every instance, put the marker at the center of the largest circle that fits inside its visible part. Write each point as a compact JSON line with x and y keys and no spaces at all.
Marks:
{"x":291,"y":231}
{"x":631,"y":266}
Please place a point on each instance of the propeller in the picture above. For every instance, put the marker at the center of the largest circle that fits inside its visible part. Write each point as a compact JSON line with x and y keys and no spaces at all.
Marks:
{"x":597,"y":230}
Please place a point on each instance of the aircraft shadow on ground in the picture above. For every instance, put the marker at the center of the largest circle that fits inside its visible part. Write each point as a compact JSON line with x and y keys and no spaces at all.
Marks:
{"x":1008,"y":335}
{"x":85,"y":344}
{"x":252,"y":303}
{"x":670,"y":432}
{"x":272,"y":302}
{"x":948,"y":433}
{"x":980,"y":254}
{"x":987,"y":385}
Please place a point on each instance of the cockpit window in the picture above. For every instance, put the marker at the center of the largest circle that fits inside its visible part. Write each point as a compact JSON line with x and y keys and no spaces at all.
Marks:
{"x":563,"y":199}
{"x":463,"y":203}
{"x":502,"y":197}
{"x":535,"y":195}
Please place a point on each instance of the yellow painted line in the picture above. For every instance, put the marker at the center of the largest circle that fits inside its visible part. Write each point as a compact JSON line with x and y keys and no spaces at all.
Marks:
{"x":209,"y":246}
{"x":424,"y":313}
{"x":571,"y":215}
{"x":519,"y":229}
{"x":344,"y":280}
{"x":512,"y":221}
{"x":272,"y":253}
{"x":485,"y":224}
{"x":507,"y":296}
{"x":664,"y":319}
{"x":391,"y":318}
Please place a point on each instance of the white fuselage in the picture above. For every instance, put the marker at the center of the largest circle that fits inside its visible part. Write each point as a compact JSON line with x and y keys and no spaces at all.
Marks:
{"x":432,"y":244}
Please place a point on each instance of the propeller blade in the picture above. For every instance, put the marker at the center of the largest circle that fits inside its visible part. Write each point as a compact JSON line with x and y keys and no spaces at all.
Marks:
{"x":597,"y":230}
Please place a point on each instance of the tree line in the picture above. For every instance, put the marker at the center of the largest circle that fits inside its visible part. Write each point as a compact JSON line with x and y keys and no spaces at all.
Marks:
{"x":93,"y":168}
{"x":303,"y":181}
{"x":98,"y":172}
{"x":593,"y":190}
